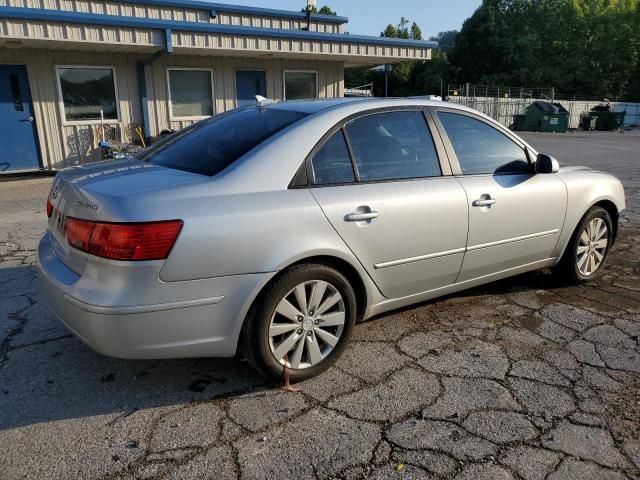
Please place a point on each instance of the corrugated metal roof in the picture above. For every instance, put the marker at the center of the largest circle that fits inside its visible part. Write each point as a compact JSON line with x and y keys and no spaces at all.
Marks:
{"x":243,"y":9}
{"x":152,"y":23}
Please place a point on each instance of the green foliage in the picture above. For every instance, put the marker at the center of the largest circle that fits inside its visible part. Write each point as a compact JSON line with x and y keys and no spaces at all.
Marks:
{"x":326,"y":10}
{"x":585,"y":47}
{"x":390,"y":31}
{"x":403,"y":30}
{"x":416,"y":31}
{"x":446,"y":40}
{"x":581,"y":47}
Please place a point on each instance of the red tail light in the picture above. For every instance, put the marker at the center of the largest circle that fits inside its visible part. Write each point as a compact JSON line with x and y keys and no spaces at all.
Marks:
{"x":49,"y":207}
{"x":124,"y":241}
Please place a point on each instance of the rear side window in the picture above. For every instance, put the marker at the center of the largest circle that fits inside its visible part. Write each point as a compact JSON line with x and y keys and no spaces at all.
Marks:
{"x":392,"y":146}
{"x":332,"y":163}
{"x":482,"y":149}
{"x":210,"y":146}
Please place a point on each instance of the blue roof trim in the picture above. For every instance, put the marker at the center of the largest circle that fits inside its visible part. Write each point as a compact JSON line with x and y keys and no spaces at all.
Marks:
{"x":135,"y":22}
{"x":223,"y":7}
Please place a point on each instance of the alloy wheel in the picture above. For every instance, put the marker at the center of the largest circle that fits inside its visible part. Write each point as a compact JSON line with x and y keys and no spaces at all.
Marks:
{"x":592,"y":247}
{"x":307,"y":324}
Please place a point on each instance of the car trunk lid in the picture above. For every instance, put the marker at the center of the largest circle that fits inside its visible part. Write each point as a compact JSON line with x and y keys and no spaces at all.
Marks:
{"x":85,"y":193}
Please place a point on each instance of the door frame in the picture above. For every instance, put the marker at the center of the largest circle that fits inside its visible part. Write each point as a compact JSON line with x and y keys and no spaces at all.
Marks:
{"x":235,"y":78}
{"x":36,"y":131}
{"x":455,"y":165}
{"x":451,"y":154}
{"x":303,"y":181}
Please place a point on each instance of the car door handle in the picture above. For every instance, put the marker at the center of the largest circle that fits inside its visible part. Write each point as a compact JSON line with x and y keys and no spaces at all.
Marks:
{"x":360,"y":217}
{"x":484,"y":202}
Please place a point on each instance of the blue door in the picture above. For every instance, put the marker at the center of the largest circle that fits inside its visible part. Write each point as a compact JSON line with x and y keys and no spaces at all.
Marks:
{"x":18,"y":143}
{"x":249,"y":83}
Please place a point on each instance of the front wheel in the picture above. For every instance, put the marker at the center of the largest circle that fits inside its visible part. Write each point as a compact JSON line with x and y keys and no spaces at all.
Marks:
{"x":301,"y":322}
{"x":589,"y":247}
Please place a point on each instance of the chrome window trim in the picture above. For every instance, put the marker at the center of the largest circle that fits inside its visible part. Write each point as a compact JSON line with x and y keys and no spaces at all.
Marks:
{"x":512,"y":240}
{"x":443,"y":161}
{"x":451,"y":153}
{"x":419,"y":258}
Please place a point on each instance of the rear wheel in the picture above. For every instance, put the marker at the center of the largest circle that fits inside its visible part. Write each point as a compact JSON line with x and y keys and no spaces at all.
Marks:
{"x":589,"y":247}
{"x":302,"y":322}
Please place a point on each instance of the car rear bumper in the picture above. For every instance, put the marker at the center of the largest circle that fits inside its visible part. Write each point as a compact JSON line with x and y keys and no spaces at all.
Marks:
{"x":200,"y":318}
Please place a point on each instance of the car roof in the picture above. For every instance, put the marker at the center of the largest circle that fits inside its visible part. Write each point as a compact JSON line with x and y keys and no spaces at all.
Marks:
{"x":320,"y":105}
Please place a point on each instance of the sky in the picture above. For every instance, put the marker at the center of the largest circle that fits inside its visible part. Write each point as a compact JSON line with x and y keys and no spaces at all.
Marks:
{"x":370,"y":17}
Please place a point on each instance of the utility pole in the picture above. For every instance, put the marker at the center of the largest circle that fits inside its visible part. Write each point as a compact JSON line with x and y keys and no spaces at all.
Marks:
{"x":386,"y":80}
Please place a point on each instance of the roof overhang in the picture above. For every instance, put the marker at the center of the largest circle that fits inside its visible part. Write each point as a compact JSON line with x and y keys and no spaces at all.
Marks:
{"x":201,"y":38}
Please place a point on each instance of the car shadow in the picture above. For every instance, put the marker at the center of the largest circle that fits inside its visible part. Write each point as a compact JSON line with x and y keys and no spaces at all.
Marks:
{"x":524,"y":282}
{"x":46,"y":374}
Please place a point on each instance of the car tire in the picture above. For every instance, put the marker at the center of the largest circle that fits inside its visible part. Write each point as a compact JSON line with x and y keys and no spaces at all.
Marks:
{"x":575,"y":265}
{"x":296,"y":285}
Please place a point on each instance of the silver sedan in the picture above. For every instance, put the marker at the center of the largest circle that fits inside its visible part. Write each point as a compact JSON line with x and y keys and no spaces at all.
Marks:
{"x":271,"y":230}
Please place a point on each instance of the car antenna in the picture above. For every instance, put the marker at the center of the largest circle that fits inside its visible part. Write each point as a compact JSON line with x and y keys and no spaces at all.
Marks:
{"x":263,"y":101}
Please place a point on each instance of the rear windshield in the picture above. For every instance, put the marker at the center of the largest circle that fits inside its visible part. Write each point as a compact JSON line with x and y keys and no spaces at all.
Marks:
{"x":210,"y":146}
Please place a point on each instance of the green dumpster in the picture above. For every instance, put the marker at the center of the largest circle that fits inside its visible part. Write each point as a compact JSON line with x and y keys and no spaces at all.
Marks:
{"x":606,"y":119}
{"x":546,"y":117}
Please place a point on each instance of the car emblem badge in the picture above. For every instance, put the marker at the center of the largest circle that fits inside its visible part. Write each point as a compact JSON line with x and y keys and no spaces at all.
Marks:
{"x":54,"y":190}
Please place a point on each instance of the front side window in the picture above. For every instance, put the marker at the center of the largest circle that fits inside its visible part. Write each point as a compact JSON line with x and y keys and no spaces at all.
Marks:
{"x":190,"y":93}
{"x":210,"y":146}
{"x":482,"y":149}
{"x":300,"y":85}
{"x":393,"y":145}
{"x":88,"y":93}
{"x":332,"y":163}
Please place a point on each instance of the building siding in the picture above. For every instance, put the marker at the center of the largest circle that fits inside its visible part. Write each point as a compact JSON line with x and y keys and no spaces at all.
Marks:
{"x":64,"y":145}
{"x":330,"y":82}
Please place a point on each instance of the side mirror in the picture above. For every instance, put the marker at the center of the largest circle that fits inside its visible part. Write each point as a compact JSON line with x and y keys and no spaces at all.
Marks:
{"x":546,"y":164}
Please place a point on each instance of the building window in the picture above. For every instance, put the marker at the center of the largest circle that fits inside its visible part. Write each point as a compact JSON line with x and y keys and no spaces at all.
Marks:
{"x":300,"y":85}
{"x":87,"y":91}
{"x":190,"y":93}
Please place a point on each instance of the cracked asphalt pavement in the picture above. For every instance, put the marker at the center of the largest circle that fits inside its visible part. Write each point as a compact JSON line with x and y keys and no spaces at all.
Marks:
{"x":524,"y":378}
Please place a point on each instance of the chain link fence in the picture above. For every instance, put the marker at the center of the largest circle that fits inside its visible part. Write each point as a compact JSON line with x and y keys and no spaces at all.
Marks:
{"x":502,"y":103}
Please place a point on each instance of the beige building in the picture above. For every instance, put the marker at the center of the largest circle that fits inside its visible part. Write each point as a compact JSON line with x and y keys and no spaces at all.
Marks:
{"x":75,"y":71}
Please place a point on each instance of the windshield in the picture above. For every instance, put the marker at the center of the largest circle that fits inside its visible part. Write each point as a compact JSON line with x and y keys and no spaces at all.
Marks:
{"x":210,"y":146}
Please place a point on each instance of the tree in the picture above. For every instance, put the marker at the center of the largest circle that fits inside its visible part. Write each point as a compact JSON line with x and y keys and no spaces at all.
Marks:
{"x":419,"y":77}
{"x":581,"y":47}
{"x":633,"y":87}
{"x":326,"y":11}
{"x":428,"y":78}
{"x":390,"y":31}
{"x":416,"y":32}
{"x":402,"y":30}
{"x":446,"y":40}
